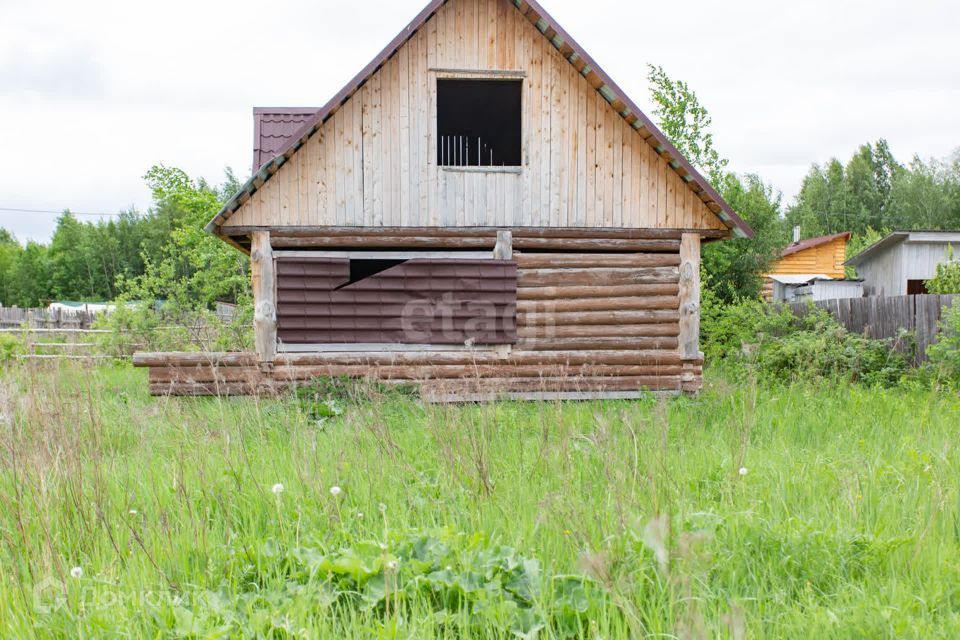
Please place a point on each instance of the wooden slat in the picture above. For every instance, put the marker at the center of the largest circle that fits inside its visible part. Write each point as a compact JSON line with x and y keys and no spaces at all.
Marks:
{"x":601,"y":277}
{"x":553,"y":305}
{"x":566,"y":260}
{"x":643,"y":316}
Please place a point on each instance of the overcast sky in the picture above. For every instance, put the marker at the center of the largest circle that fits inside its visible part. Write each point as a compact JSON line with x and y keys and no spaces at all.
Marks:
{"x":93,"y":93}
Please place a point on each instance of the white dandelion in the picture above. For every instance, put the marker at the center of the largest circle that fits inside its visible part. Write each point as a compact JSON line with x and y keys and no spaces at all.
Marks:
{"x":359,"y":515}
{"x":742,"y":471}
{"x":277,"y":488}
{"x":393,"y":565}
{"x":76,"y":572}
{"x":132,"y":512}
{"x":335,"y":491}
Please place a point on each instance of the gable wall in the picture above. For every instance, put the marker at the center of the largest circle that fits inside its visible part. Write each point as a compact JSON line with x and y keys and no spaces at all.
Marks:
{"x":373,"y":162}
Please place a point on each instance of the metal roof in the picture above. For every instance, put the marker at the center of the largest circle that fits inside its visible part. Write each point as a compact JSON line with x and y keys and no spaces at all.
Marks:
{"x":896,"y":237}
{"x":570,"y":50}
{"x":274,"y":127}
{"x":798,"y":278}
{"x":810,"y":243}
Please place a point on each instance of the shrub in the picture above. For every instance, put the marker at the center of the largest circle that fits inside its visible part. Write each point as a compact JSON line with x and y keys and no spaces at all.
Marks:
{"x":141,"y":327}
{"x":10,"y":346}
{"x":944,"y":354}
{"x":947,"y":279}
{"x":781,"y":346}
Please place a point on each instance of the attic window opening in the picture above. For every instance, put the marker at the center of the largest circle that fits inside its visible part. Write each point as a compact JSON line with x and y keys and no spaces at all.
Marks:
{"x":478,"y":123}
{"x":362,"y":268}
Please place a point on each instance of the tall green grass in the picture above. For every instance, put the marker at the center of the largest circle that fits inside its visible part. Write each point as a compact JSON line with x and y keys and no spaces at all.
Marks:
{"x":795,"y":511}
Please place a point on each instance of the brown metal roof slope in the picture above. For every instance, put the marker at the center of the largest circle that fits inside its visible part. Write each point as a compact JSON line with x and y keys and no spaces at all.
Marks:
{"x":274,"y":127}
{"x":810,"y":243}
{"x":570,"y":50}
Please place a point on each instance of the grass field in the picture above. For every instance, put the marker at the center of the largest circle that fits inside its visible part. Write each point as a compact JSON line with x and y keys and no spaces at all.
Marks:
{"x":746,"y":512}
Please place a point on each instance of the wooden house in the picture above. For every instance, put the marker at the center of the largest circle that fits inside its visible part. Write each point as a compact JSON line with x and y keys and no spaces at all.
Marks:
{"x":481,"y":211}
{"x":806,"y":262}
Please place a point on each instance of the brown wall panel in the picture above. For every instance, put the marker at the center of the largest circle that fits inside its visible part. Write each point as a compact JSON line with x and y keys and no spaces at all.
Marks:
{"x":419,"y":301}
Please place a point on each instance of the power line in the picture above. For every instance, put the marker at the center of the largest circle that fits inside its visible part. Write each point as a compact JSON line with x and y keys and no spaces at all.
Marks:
{"x":76,"y":213}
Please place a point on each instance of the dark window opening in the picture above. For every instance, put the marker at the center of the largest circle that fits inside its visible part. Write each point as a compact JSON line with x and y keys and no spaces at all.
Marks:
{"x":364,"y":268}
{"x":916,"y":287}
{"x":478,"y":123}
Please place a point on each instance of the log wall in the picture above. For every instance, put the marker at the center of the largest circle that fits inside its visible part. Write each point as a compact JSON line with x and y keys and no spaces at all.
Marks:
{"x":602,"y":323}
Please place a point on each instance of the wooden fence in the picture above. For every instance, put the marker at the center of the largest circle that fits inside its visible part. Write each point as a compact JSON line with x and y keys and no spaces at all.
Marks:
{"x":885,"y":317}
{"x":44,"y":318}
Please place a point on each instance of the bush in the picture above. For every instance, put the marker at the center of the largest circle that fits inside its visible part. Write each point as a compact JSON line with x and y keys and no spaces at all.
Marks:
{"x":10,"y":346}
{"x":141,"y":327}
{"x":944,"y":354}
{"x":780,"y":346}
{"x":947,"y":279}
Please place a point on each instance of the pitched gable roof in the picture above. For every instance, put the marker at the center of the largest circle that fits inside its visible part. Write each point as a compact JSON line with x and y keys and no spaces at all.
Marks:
{"x":570,"y":50}
{"x":810,"y":243}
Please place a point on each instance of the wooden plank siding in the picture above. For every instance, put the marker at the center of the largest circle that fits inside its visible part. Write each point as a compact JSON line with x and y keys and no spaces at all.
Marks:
{"x":826,"y":259}
{"x":373,"y":162}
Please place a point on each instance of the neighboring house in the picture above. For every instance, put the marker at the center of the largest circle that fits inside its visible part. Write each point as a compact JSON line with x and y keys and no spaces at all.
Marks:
{"x":811,"y":269}
{"x":902,"y":262}
{"x":480,"y":210}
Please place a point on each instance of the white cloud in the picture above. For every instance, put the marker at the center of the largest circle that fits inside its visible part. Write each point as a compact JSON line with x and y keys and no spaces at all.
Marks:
{"x":92,"y":94}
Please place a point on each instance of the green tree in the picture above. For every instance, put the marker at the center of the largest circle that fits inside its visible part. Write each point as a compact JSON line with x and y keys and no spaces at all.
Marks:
{"x":926,"y":196}
{"x":31,"y":277}
{"x":685,"y":122}
{"x":947,"y":279}
{"x":194,"y":270}
{"x":10,"y":251}
{"x":733,"y":269}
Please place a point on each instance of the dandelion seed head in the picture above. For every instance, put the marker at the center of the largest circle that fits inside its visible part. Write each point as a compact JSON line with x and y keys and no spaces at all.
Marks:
{"x":335,"y":491}
{"x":277,"y":488}
{"x":742,"y":471}
{"x":359,"y":515}
{"x":132,"y":512}
{"x":76,"y":572}
{"x":393,"y":565}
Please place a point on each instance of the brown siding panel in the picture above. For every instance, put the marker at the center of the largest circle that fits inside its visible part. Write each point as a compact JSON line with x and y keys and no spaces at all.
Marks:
{"x":420,"y":301}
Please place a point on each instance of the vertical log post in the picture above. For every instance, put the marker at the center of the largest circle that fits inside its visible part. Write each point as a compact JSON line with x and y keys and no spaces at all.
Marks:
{"x":691,"y":379}
{"x":503,"y":250}
{"x":264,"y":299}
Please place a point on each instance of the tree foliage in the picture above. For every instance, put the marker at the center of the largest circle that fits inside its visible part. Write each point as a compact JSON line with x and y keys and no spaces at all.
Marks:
{"x":194,"y":269}
{"x":732,"y":269}
{"x":947,"y":279}
{"x":685,"y":122}
{"x":160,"y":254}
{"x":874,"y":191}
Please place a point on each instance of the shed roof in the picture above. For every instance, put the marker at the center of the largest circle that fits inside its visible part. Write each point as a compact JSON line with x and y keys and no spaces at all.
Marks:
{"x":798,"y":278}
{"x":810,"y":243}
{"x":570,"y":50}
{"x":896,"y":237}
